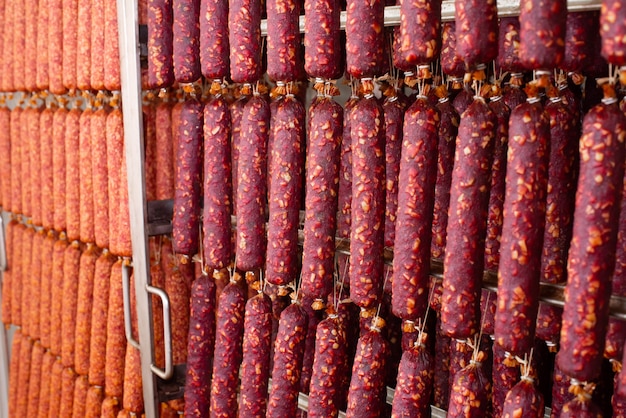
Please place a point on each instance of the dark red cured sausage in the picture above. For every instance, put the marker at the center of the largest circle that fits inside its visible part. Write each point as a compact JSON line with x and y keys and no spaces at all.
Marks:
{"x":70,"y":44}
{"x":441,"y":380}
{"x":420,"y":31}
{"x":214,"y":48}
{"x":71,"y":273}
{"x":345,"y":173}
{"x":448,"y":129}
{"x":227,"y":358}
{"x":86,"y":212}
{"x":200,"y":347}
{"x":504,"y":375}
{"x":418,"y":173}
{"x":451,"y":63}
{"x":252,"y":184}
{"x":513,"y":94}
{"x":314,"y":318}
{"x":368,"y":202}
{"x":83,"y":47}
{"x":508,"y":45}
{"x":160,"y":44}
{"x":115,"y":336}
{"x":522,"y":229}
{"x":460,"y":356}
{"x":100,"y":173}
{"x":549,"y":324}
{"x":55,"y":46}
{"x":542,"y":33}
{"x":5,"y":158}
{"x":97,"y":45}
{"x":365,"y":38}
{"x":244,"y":37}
{"x":81,"y":389}
{"x":283,"y":39}
{"x":367,"y":386}
{"x":469,"y":199}
{"x":288,"y":355}
{"x":186,"y":41}
{"x":59,"y":168}
{"x":322,"y":188}
{"x":185,"y":228}
{"x":72,"y":174}
{"x":42,"y":75}
{"x":255,"y":364}
{"x":56,"y":294}
{"x":217,"y":246}
{"x":328,"y":368}
{"x":580,"y":28}
{"x":393,"y":109}
{"x":286,"y":172}
{"x":524,"y":399}
{"x":581,"y":407}
{"x":612,"y":31}
{"x":44,"y":389}
{"x":32,"y":133}
{"x":164,"y":151}
{"x":476,"y":31}
{"x":111,"y":51}
{"x":415,"y":382}
{"x":470,"y":383}
{"x":88,"y":263}
{"x":594,"y":237}
{"x":93,"y":404}
{"x":150,"y":147}
{"x":236,"y":114}
{"x":560,"y":391}
{"x":498,"y":174}
{"x":322,"y":40}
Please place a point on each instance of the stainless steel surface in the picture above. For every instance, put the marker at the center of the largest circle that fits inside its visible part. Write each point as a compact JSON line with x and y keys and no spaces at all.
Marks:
{"x":166,"y":373}
{"x":127,"y":14}
{"x":128,"y":327}
{"x":3,"y":248}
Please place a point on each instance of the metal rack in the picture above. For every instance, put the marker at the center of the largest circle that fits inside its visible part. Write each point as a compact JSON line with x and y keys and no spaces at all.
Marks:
{"x":141,"y":227}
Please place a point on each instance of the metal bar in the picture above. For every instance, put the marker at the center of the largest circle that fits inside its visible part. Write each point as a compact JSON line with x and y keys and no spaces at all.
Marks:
{"x":168,"y":372}
{"x":127,"y":14}
{"x":505,"y":8}
{"x":128,"y":324}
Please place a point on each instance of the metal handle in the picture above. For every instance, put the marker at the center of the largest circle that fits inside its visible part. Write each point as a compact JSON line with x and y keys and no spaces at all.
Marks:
{"x":168,"y":372}
{"x":128,"y":325}
{"x":3,"y":247}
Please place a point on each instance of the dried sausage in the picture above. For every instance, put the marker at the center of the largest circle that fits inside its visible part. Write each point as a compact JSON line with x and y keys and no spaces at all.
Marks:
{"x":19,"y":44}
{"x":81,"y":389}
{"x":580,"y":28}
{"x":415,"y":382}
{"x":5,"y":158}
{"x":252,"y":184}
{"x":93,"y":404}
{"x":72,"y":174}
{"x":83,"y":46}
{"x":504,"y":375}
{"x":133,"y":388}
{"x":55,"y":46}
{"x":110,"y":407}
{"x":420,"y":32}
{"x":441,"y":380}
{"x":149,"y":134}
{"x":17,"y":275}
{"x":416,"y":199}
{"x":25,"y":357}
{"x":56,"y":294}
{"x":32,"y":135}
{"x":314,"y":318}
{"x":471,"y":382}
{"x":71,"y":272}
{"x":227,"y":359}
{"x":466,"y":231}
{"x":581,"y":407}
{"x":549,"y":324}
{"x":236,"y":114}
{"x":178,"y":290}
{"x":214,"y":48}
{"x":70,"y":46}
{"x":345,"y":173}
{"x":164,"y":152}
{"x":525,"y":399}
{"x":365,"y":38}
{"x":286,"y":172}
{"x":508,"y":45}
{"x":115,"y":336}
{"x":7,"y":275}
{"x":322,"y":39}
{"x":26,"y":279}
{"x":14,"y":371}
{"x":86,"y":193}
{"x":288,"y":356}
{"x":111,"y":51}
{"x":100,"y":174}
{"x":594,"y":238}
{"x":451,"y":63}
{"x":200,"y":347}
{"x":542,"y":33}
{"x":612,"y":30}
{"x":44,"y":390}
{"x":255,"y":364}
{"x":68,"y":383}
{"x":84,"y":308}
{"x":244,"y":37}
{"x":59,"y":168}
{"x":16,"y":166}
{"x":25,"y":151}
{"x":368,"y":202}
{"x":322,"y":188}
{"x":46,"y":160}
{"x":476,"y":31}
{"x":97,"y":45}
{"x":56,"y":387}
{"x":42,"y":75}
{"x":34,"y":298}
{"x":7,"y":48}
{"x":186,"y":41}
{"x":283,"y":40}
{"x":160,"y":44}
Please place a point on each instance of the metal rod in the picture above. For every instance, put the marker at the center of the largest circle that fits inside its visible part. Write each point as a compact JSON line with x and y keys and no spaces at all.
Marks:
{"x":168,"y":372}
{"x":128,"y":323}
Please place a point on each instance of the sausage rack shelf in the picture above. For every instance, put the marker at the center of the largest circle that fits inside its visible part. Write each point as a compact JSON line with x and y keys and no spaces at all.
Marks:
{"x":142,"y":227}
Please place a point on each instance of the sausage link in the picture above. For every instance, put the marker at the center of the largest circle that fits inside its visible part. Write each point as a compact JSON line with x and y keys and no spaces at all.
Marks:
{"x":252,"y":184}
{"x":95,"y":397}
{"x":542,"y":33}
{"x":70,"y":44}
{"x":7,"y":275}
{"x":344,"y":213}
{"x":314,"y":317}
{"x":25,"y":357}
{"x":83,"y":46}
{"x":367,"y":386}
{"x":322,"y":41}
{"x":508,"y":45}
{"x":110,"y":407}
{"x":418,"y":173}
{"x":217,"y":241}
{"x":14,"y":372}
{"x":476,"y":31}
{"x":35,"y":180}
{"x":415,"y":383}
{"x":288,"y":356}
{"x":365,"y":38}
{"x":612,"y":30}
{"x":504,"y":375}
{"x":522,"y":229}
{"x":283,"y":40}
{"x":581,"y":408}
{"x":5,"y":157}
{"x":115,"y":336}
{"x":56,"y":387}
{"x":186,"y":41}
{"x":368,"y":203}
{"x":72,"y":174}
{"x":7,"y":48}
{"x":597,"y":210}
{"x":100,"y":174}
{"x":17,"y":275}
{"x":16,"y":165}
{"x":84,"y":308}
{"x":525,"y":399}
{"x":59,"y":168}
{"x":25,"y":151}
{"x":580,"y":28}
{"x":26,"y":280}
{"x":236,"y":114}
{"x":55,"y":46}
{"x":497,"y":191}
{"x":255,"y":365}
{"x":420,"y":32}
{"x":36,"y":279}
{"x":441,"y":380}
{"x":200,"y":347}
{"x":466,"y":230}
{"x":160,"y":44}
{"x":286,"y":171}
{"x":178,"y":291}
{"x":471,"y":382}
{"x":451,"y":63}
{"x":185,"y":228}
{"x":42,"y":75}
{"x":19,"y":44}
{"x":164,"y":152}
{"x":71,"y":276}
{"x":133,"y":387}
{"x":393,"y":109}
{"x":46,"y":129}
{"x":97,"y":45}
{"x":549,"y":324}
{"x":115,"y":151}
{"x":227,"y":359}
{"x":244,"y":37}
{"x":56,"y":294}
{"x":560,"y":391}
{"x":111,"y":51}
{"x":44,"y":390}
{"x":86,"y":192}
{"x":214,"y":47}
{"x":81,"y":389}
{"x":150,"y":148}
{"x":124,"y":238}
